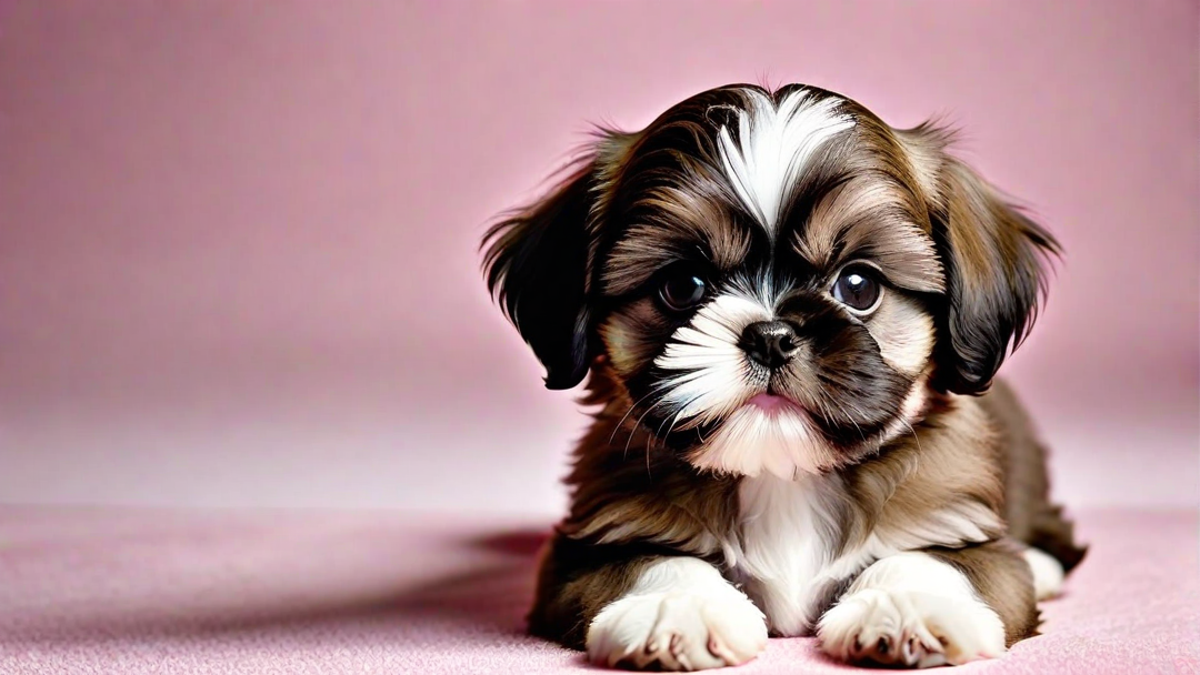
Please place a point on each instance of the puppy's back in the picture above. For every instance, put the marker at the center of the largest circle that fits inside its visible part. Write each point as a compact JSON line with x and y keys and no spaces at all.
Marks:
{"x":1032,"y":517}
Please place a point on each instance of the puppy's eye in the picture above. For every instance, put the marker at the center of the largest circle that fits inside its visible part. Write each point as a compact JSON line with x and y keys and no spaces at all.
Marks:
{"x":682,"y":291}
{"x":857,"y":287}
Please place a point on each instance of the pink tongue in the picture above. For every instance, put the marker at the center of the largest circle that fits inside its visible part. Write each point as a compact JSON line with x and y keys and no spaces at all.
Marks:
{"x":770,"y":402}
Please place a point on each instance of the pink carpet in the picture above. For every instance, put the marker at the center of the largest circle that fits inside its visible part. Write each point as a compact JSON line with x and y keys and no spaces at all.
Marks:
{"x":154,"y":591}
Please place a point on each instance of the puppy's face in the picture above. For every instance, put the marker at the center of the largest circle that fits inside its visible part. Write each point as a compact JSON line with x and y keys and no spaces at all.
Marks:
{"x":777,"y":280}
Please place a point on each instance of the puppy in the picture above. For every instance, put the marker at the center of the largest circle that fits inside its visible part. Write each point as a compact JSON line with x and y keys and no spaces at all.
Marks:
{"x":789,"y":315}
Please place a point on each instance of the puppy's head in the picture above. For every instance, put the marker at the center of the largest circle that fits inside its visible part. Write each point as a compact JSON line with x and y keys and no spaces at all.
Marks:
{"x":777,"y":279}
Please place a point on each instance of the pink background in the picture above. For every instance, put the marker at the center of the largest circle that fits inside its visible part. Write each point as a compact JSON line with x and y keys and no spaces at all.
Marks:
{"x":238,"y":239}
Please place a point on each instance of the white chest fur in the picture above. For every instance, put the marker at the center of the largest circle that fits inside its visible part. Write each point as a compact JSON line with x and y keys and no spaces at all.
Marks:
{"x":788,"y":555}
{"x":789,"y":535}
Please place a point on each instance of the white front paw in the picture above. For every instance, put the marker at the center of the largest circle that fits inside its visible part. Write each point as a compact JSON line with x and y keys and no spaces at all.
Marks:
{"x":677,"y":630}
{"x":910,"y":628}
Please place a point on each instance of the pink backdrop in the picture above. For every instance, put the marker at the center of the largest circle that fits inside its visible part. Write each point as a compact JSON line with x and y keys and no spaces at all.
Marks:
{"x":237,"y":239}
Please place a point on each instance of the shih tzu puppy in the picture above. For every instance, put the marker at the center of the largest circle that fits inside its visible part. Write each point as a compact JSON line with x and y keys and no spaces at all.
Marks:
{"x":789,"y":316}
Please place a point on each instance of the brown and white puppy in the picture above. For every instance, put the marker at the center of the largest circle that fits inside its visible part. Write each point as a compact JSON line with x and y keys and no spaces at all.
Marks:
{"x":789,"y":315}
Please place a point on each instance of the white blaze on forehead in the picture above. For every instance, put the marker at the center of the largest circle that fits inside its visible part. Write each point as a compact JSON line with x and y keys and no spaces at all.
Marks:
{"x":774,"y":146}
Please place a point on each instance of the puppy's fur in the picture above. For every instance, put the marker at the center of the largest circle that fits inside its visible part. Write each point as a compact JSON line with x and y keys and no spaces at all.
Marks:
{"x":789,"y":315}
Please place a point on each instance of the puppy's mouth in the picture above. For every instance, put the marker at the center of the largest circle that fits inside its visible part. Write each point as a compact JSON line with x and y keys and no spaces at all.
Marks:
{"x":767,"y":433}
{"x":773,"y":404}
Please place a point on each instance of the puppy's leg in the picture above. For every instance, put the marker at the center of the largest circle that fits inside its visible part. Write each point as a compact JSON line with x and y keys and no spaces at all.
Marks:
{"x":645,"y":610}
{"x":934,"y":607}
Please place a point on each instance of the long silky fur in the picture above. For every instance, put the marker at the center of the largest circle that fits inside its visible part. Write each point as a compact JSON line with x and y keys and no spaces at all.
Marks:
{"x":899,"y":441}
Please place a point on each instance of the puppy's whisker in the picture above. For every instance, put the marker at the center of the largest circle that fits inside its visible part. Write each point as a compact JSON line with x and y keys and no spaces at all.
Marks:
{"x":851,"y":419}
{"x":674,"y":420}
{"x":650,"y":438}
{"x":658,"y":432}
{"x":824,"y":412}
{"x":913,"y":433}
{"x":637,"y":425}
{"x":624,"y":417}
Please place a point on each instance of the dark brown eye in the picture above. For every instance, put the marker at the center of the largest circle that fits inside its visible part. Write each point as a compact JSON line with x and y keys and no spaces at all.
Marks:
{"x":682,"y":291}
{"x":857,"y":287}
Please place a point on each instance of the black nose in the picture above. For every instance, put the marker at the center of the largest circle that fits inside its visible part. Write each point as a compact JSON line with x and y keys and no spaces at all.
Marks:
{"x":771,"y":343}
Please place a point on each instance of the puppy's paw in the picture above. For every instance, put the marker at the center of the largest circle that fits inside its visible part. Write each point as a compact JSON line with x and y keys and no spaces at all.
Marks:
{"x":677,"y":630}
{"x":1048,"y":573}
{"x":910,"y":628}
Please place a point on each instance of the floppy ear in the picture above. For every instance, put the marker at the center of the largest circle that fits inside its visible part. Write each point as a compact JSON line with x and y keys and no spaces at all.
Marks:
{"x":536,"y":266}
{"x":994,"y":258}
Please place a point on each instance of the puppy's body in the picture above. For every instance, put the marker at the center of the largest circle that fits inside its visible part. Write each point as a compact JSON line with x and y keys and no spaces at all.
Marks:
{"x":789,"y":315}
{"x":795,"y":546}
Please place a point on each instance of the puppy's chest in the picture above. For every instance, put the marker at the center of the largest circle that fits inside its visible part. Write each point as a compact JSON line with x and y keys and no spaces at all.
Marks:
{"x":789,"y":559}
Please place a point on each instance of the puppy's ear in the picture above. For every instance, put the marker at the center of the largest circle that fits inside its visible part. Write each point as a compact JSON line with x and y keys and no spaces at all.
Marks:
{"x":995,"y":262}
{"x":536,"y":266}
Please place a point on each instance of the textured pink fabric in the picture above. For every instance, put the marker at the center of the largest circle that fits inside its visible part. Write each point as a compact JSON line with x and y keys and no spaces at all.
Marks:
{"x":135,"y":591}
